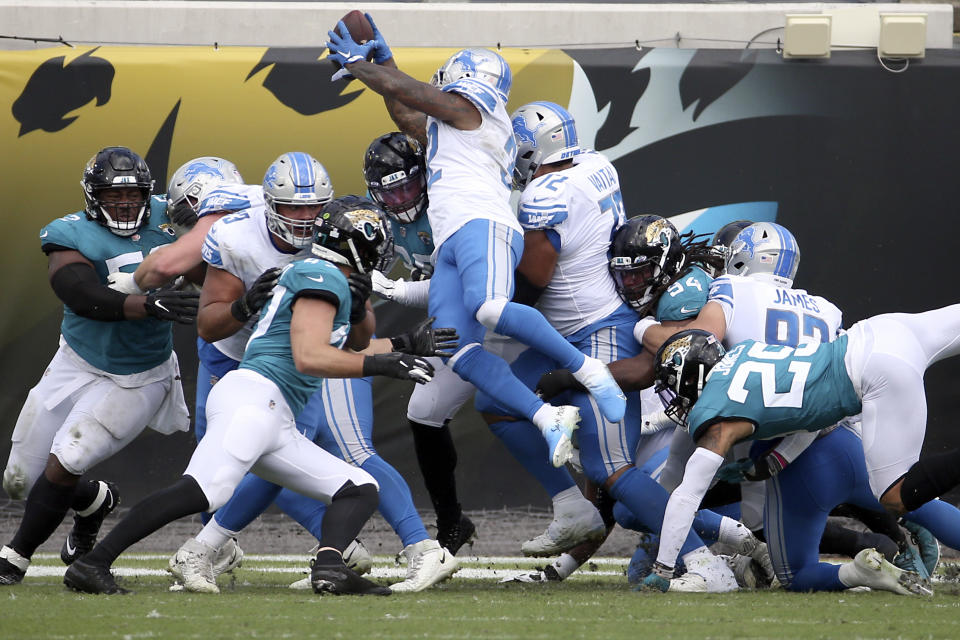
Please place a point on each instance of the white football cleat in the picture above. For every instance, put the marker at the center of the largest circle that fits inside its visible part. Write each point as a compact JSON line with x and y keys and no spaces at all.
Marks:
{"x":228,"y":558}
{"x":558,"y":431}
{"x":596,"y":377}
{"x":427,"y":564}
{"x":870,"y":569}
{"x":705,"y":574}
{"x":192,"y":565}
{"x":570,"y":527}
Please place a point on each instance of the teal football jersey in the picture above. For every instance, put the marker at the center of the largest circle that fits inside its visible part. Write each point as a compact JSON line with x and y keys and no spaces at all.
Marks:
{"x":126,"y":346}
{"x":778,"y":388}
{"x":269,"y":353}
{"x":684,"y":298}
{"x":413,"y":242}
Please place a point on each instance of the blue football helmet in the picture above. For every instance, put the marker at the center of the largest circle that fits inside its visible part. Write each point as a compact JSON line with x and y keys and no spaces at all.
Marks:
{"x":766,"y":251}
{"x":545,"y":132}
{"x":191,"y":180}
{"x":295,"y":178}
{"x":482,"y":64}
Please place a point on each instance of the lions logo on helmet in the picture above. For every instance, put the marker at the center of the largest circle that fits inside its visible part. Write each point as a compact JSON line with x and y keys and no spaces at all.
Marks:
{"x":766,"y":251}
{"x":545,"y":133}
{"x":481,"y":64}
{"x":191,"y":180}
{"x":294,"y":179}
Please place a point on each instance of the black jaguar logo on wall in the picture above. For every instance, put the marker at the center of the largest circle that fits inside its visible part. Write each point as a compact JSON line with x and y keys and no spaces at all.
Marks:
{"x":56,"y":89}
{"x":300,"y":79}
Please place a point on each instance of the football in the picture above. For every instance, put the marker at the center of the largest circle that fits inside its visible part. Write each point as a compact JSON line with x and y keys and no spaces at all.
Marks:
{"x":358,"y":26}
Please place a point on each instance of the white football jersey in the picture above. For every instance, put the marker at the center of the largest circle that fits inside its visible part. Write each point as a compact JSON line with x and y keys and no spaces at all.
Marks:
{"x":470,"y":173}
{"x":757,"y":310}
{"x":582,"y":205}
{"x":241,"y":244}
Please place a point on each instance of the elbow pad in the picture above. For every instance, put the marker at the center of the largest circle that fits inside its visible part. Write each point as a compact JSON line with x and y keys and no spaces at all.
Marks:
{"x":78,"y":287}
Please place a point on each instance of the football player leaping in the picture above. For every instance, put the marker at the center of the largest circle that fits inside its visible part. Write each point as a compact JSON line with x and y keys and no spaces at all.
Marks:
{"x":461,"y":119}
{"x":115,"y":371}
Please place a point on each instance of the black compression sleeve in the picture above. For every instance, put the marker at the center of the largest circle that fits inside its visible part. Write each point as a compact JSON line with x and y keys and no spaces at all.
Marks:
{"x":524,"y":291}
{"x":78,"y":286}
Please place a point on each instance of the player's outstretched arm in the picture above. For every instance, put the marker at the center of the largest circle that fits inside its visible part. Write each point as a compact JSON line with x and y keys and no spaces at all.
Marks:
{"x":394,"y":84}
{"x":174,"y":259}
{"x":653,"y":334}
{"x":310,"y":329}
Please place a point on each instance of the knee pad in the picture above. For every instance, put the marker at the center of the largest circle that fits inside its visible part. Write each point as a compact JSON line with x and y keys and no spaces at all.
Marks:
{"x":16,"y":483}
{"x":490,"y":311}
{"x":462,"y":357}
{"x":929,"y":477}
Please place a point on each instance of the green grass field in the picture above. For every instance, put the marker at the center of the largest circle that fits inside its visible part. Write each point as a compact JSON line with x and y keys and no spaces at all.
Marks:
{"x":256,"y":603}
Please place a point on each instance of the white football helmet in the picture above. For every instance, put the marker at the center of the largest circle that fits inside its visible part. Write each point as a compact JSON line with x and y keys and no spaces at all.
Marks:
{"x":766,"y":251}
{"x":295,"y":178}
{"x":191,"y":180}
{"x":545,"y":133}
{"x":481,"y":64}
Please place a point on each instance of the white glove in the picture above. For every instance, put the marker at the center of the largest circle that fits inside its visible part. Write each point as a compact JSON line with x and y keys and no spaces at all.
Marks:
{"x":655,"y":423}
{"x":124,"y":283}
{"x":386,"y":288}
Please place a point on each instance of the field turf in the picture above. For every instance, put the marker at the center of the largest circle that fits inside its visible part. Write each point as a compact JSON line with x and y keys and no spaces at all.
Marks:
{"x":256,"y":603}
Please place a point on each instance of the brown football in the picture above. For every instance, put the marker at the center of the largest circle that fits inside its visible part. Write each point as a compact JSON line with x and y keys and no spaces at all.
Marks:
{"x":358,"y":26}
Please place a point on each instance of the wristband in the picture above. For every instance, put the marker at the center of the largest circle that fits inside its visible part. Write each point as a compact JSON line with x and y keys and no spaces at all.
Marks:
{"x":641,"y":327}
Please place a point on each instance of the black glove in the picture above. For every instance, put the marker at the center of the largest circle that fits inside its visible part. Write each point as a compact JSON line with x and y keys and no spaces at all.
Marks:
{"x":256,"y":296}
{"x":172,"y":305}
{"x":421,"y":272}
{"x":424,"y":340}
{"x":360,"y":288}
{"x":553,"y":383}
{"x":398,"y":365}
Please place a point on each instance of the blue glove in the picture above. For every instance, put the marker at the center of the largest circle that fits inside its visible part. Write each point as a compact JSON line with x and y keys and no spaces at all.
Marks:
{"x":736,"y":472}
{"x":344,"y":51}
{"x":381,"y":52}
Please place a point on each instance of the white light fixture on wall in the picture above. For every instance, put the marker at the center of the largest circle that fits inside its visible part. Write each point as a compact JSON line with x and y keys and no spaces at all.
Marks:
{"x":807,"y":36}
{"x":902,"y":35}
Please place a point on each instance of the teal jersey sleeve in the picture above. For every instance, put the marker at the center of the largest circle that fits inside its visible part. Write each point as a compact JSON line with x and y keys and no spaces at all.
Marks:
{"x":413,"y":242}
{"x":684,"y":298}
{"x":126,"y":346}
{"x":269,"y":352}
{"x":778,"y":388}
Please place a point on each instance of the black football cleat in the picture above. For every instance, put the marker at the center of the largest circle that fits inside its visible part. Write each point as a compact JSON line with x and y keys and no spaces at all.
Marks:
{"x":13,"y":566}
{"x":83,"y":536}
{"x":91,"y":578}
{"x":454,"y":535}
{"x":340,"y":580}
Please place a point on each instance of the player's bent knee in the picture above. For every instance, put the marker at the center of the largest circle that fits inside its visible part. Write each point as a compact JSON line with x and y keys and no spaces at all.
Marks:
{"x":490,"y":311}
{"x":462,"y":357}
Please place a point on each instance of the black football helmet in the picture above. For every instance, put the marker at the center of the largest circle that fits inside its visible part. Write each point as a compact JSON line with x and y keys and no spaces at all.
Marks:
{"x":645,"y":256}
{"x":352,"y":231}
{"x":395,"y":171}
{"x":112,"y":168}
{"x":682,"y":365}
{"x":722,"y":239}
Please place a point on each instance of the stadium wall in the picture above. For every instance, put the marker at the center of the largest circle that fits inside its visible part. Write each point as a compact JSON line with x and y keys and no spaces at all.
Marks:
{"x":853,"y":158}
